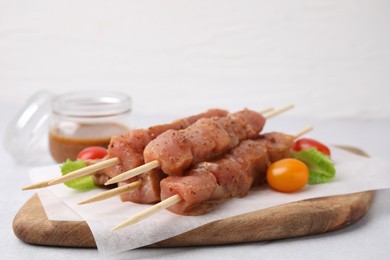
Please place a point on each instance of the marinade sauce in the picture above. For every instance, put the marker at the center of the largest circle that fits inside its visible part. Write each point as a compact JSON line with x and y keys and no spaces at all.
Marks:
{"x":66,"y":145}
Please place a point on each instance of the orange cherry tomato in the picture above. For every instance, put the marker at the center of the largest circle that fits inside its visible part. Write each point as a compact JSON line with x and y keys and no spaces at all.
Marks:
{"x":287,"y":175}
{"x":92,"y":152}
{"x":306,"y":143}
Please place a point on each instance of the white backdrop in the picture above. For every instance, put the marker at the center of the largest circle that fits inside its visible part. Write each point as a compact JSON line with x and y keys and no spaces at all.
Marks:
{"x":330,"y":58}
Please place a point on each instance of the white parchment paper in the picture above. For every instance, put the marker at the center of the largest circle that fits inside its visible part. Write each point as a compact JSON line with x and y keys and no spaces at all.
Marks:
{"x":354,"y":174}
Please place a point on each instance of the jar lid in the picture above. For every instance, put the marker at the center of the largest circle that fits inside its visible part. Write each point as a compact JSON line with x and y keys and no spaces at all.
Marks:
{"x":25,"y":137}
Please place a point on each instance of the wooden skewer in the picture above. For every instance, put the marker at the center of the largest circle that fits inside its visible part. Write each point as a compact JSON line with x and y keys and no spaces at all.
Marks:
{"x":265,"y":110}
{"x":37,"y":185}
{"x":156,"y":164}
{"x":134,"y":172}
{"x":278,"y":111}
{"x":150,"y":211}
{"x":175,"y":198}
{"x":303,"y":131}
{"x":113,"y":192}
{"x":86,"y":171}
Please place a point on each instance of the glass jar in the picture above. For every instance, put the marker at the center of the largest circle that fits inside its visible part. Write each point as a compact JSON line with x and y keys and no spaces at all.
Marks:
{"x":82,"y":119}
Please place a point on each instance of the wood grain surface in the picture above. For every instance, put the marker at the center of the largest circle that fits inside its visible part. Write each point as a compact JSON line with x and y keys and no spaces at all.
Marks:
{"x":308,"y":217}
{"x":291,"y":220}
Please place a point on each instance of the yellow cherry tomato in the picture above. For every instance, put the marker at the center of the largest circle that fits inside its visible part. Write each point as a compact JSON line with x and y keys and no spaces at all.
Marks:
{"x":287,"y":175}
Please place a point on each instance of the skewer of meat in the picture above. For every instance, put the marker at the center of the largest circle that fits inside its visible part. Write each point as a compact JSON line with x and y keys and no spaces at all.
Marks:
{"x":146,"y":188}
{"x":207,"y":137}
{"x":132,"y":144}
{"x":174,"y":151}
{"x":210,"y":183}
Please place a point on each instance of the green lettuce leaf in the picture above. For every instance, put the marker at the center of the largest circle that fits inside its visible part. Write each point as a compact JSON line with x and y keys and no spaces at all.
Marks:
{"x":321,"y":167}
{"x":82,"y":184}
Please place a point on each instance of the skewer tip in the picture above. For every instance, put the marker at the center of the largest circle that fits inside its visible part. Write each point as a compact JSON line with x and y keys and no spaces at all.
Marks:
{"x":113,"y":192}
{"x":120,"y":226}
{"x":38,"y":185}
{"x":148,"y":212}
{"x":303,"y":131}
{"x":266,"y":110}
{"x":278,"y":111}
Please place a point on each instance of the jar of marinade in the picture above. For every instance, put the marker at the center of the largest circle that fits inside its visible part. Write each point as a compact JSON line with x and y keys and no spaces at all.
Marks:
{"x":82,"y":119}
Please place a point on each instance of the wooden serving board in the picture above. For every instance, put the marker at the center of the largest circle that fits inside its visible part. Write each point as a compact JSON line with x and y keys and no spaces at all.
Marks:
{"x":296,"y":219}
{"x":308,"y":217}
